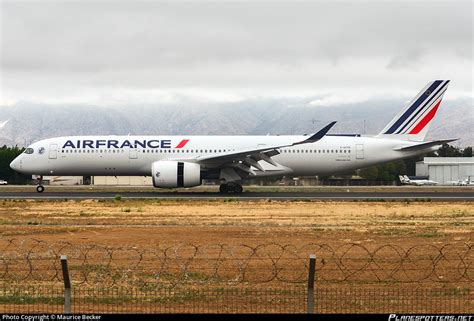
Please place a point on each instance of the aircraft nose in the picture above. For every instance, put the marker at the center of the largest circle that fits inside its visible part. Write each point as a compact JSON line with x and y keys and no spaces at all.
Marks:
{"x":15,"y":164}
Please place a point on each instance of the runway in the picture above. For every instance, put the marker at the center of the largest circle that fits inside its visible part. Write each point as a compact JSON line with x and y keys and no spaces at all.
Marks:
{"x":246,"y":196}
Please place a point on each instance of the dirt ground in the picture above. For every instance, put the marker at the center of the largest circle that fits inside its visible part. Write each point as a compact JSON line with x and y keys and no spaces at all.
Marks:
{"x":131,"y":222}
{"x":441,"y":233}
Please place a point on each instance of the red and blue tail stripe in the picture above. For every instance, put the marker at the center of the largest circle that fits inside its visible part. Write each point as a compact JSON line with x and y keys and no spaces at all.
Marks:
{"x":419,"y":112}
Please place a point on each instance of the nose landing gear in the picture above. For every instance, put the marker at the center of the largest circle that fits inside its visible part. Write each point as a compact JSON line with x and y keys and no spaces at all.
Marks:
{"x":40,"y":187}
{"x":230,"y":188}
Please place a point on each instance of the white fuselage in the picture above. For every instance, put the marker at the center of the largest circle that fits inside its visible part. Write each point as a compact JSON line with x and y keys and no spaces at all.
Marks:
{"x":420,"y":182}
{"x":122,"y":155}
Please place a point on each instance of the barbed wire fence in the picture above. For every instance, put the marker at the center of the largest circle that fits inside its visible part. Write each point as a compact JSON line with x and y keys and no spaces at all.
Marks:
{"x":236,"y":278}
{"x":37,"y":260}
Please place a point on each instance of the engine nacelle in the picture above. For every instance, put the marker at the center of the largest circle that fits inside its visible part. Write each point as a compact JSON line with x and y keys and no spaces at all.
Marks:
{"x":169,"y":174}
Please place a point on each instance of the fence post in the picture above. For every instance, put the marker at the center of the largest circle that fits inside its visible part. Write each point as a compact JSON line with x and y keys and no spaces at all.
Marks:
{"x":67,"y":285}
{"x":312,"y":270}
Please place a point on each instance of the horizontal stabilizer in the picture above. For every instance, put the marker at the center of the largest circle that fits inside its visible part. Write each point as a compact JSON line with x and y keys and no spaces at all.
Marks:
{"x":425,"y":145}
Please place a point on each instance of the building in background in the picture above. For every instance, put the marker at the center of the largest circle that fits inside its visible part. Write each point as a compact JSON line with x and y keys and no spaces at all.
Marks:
{"x":63,"y":180}
{"x":446,"y":170}
{"x":98,"y":180}
{"x":122,"y":180}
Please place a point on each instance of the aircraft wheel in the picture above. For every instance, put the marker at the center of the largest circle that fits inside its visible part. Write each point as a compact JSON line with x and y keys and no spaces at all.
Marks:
{"x":40,"y":188}
{"x":238,"y":189}
{"x":223,"y":189}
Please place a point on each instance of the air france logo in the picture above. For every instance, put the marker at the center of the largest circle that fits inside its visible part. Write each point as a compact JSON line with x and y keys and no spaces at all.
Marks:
{"x":112,"y":143}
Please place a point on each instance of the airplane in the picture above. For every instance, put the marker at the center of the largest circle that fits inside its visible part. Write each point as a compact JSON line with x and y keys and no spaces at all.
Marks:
{"x":418,"y":182}
{"x":184,"y":161}
{"x":466,"y":182}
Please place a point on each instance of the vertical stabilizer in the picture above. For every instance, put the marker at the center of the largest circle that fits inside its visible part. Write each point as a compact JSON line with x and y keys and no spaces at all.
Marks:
{"x":414,"y":121}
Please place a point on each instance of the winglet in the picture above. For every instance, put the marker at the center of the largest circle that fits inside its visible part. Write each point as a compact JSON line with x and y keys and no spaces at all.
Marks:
{"x":320,"y":134}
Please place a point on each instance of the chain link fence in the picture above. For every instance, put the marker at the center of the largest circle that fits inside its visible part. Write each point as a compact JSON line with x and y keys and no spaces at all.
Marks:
{"x":293,"y":299}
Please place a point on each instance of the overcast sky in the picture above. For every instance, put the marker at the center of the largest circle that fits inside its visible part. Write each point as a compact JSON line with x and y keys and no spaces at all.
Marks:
{"x":128,"y":52}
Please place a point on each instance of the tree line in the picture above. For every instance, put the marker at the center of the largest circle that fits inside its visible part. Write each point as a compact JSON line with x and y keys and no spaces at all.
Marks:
{"x":390,"y":171}
{"x":7,"y":155}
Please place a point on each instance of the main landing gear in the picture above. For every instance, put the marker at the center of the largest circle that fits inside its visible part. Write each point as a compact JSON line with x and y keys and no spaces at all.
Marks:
{"x":230,"y":188}
{"x":40,"y":187}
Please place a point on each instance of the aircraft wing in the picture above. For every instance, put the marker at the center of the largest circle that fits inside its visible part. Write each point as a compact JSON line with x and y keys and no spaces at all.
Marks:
{"x":425,"y":145}
{"x":245,"y":159}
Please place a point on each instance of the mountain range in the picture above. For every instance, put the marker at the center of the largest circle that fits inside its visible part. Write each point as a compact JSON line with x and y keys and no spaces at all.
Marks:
{"x":24,"y":122}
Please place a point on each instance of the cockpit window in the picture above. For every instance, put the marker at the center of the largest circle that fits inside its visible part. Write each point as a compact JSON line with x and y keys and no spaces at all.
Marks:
{"x":29,"y":151}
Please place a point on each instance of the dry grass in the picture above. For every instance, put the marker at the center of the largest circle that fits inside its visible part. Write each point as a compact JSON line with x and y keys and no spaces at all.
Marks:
{"x":435,"y":221}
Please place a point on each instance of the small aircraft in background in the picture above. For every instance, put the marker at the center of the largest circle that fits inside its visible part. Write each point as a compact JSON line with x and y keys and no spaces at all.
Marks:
{"x":418,"y":182}
{"x":466,"y":182}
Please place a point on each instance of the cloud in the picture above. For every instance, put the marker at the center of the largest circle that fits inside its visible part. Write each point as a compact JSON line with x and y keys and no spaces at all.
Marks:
{"x":133,"y":51}
{"x":337,"y":100}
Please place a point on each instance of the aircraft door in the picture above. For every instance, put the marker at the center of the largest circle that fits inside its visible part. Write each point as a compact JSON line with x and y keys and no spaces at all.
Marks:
{"x":359,"y":151}
{"x":133,"y":153}
{"x":53,"y":151}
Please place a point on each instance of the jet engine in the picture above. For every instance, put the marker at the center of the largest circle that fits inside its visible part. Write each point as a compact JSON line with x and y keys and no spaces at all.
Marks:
{"x":169,"y":174}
